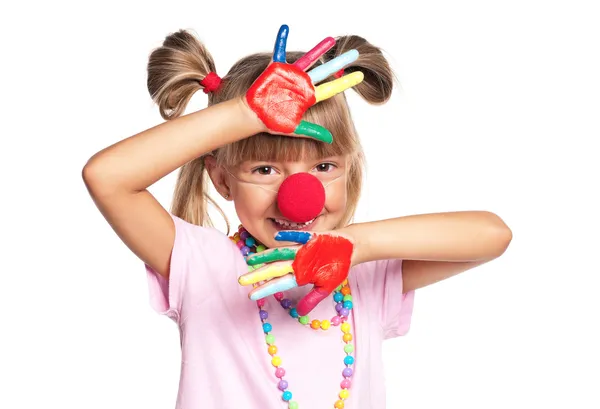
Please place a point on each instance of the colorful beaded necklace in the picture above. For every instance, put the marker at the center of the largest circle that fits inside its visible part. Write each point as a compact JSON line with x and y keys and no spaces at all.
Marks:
{"x":342,"y":298}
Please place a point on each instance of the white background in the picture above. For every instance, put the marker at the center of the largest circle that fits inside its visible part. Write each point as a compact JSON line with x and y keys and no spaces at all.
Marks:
{"x":497,"y":109}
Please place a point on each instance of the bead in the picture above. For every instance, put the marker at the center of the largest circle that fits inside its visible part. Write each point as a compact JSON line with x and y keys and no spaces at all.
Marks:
{"x":239,"y":244}
{"x":338,"y":288}
{"x":346,"y":384}
{"x":348,"y":297}
{"x":339,"y":306}
{"x":349,"y":360}
{"x":278,"y":296}
{"x":345,"y":290}
{"x":260,"y":248}
{"x":345,"y":282}
{"x":349,"y":348}
{"x":347,"y":338}
{"x":344,"y":312}
{"x":325,"y":324}
{"x":315,"y":324}
{"x":339,"y":404}
{"x":273,"y":350}
{"x":270,"y":339}
{"x":294,"y":313}
{"x":287,"y":395}
{"x":261,"y":302}
{"x":263,"y":314}
{"x":280,"y":372}
{"x":267,"y":327}
{"x":335,"y":321}
{"x":244,"y":235}
{"x":276,"y":361}
{"x":282,"y":385}
{"x":344,"y":394}
{"x":250,"y":241}
{"x":345,"y":328}
{"x":232,"y":239}
{"x":338,"y":297}
{"x":285,"y":303}
{"x":293,"y":405}
{"x":348,"y":305}
{"x":304,"y":319}
{"x":347,"y":372}
{"x":245,"y":250}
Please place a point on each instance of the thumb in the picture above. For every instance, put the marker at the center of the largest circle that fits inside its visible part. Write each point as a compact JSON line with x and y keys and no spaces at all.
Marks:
{"x":310,"y":301}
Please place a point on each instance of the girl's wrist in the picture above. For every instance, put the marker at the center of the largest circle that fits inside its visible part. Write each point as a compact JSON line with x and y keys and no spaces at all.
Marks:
{"x":250,"y":116}
{"x":352,"y":233}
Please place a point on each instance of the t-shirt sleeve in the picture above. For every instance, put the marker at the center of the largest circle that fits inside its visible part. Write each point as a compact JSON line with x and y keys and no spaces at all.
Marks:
{"x":397,"y":306}
{"x":166,"y":295}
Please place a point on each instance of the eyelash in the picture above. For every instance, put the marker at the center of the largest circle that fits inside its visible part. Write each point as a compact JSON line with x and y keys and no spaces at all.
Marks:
{"x":257,"y":169}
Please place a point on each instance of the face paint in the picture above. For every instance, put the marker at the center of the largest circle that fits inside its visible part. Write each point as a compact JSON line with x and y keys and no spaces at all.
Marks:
{"x":280,"y":96}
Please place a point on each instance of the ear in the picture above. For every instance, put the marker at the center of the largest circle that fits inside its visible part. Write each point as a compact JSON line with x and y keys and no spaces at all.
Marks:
{"x":218,"y":175}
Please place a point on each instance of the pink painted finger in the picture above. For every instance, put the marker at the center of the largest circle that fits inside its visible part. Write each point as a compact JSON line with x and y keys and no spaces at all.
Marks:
{"x":308,"y":59}
{"x":310,"y":301}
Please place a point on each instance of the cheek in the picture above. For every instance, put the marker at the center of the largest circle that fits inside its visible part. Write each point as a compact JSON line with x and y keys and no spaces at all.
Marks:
{"x":252,"y":202}
{"x":336,"y":197}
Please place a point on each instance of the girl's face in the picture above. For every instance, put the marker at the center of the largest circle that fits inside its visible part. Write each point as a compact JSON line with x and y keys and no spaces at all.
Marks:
{"x":253,"y":186}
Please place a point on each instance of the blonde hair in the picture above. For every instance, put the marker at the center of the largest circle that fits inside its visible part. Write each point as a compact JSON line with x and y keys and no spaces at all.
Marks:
{"x":174,"y":73}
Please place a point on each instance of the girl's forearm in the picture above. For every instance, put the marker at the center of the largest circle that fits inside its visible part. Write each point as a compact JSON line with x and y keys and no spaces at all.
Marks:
{"x":452,"y":236}
{"x":137,"y":162}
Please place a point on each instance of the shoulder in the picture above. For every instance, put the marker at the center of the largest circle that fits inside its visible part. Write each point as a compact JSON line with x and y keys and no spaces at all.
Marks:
{"x":193,"y":232}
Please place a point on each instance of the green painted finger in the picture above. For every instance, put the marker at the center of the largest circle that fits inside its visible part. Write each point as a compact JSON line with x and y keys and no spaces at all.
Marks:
{"x":272,"y":255}
{"x":314,"y":131}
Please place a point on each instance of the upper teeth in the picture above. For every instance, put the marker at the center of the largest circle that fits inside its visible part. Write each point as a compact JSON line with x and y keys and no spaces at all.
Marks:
{"x":292,"y":224}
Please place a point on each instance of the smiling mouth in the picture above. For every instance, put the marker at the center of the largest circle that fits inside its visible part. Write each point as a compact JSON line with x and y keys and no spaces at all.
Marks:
{"x":283,"y":224}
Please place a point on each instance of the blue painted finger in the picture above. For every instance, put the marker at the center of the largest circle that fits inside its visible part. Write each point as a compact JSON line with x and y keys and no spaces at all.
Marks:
{"x":323,"y":71}
{"x":271,"y":287}
{"x":280,"y":44}
{"x":300,"y":237}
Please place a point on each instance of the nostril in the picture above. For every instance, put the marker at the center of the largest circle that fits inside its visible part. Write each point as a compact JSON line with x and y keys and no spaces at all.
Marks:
{"x":301,"y":197}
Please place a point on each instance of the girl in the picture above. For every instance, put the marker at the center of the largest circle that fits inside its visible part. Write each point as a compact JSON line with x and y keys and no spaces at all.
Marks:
{"x":277,"y":139}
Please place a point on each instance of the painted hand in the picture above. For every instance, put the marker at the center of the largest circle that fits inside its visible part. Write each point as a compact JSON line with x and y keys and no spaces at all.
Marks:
{"x":283,"y":92}
{"x":324,"y":260}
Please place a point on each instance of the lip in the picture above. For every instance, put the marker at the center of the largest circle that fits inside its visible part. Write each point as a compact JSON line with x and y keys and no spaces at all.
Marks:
{"x":278,"y":227}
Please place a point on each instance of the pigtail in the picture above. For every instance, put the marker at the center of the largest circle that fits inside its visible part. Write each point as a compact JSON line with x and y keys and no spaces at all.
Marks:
{"x":175,"y":72}
{"x":191,"y":199}
{"x":376,"y":88}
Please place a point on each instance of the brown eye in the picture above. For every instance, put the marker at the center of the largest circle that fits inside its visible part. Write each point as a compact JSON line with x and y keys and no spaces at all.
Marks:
{"x":263,"y":170}
{"x":325,"y":167}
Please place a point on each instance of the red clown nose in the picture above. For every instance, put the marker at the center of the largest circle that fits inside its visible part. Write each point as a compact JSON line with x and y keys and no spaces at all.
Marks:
{"x":301,"y":197}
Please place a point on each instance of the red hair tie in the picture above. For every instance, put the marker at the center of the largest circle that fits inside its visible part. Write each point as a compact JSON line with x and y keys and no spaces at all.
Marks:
{"x":211,"y":82}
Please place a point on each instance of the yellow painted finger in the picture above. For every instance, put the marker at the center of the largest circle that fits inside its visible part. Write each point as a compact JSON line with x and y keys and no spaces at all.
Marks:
{"x":334,"y":87}
{"x":278,"y":269}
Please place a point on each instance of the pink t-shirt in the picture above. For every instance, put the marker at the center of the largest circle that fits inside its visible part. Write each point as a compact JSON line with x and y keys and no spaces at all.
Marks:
{"x":225,"y":363}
